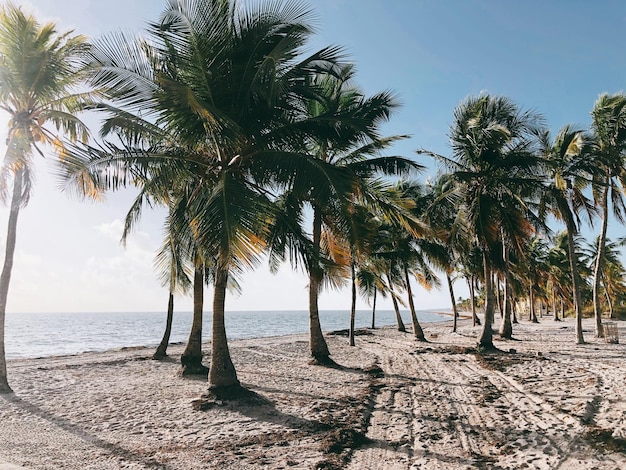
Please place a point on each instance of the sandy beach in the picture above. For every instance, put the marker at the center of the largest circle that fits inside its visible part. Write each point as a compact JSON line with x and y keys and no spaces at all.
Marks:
{"x":393,"y":404}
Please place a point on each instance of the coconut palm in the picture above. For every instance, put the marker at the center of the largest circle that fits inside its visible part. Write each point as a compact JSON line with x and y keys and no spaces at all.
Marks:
{"x":493,"y":166}
{"x":534,"y":262}
{"x":343,"y":135}
{"x":568,"y":172}
{"x":169,"y":262}
{"x":612,"y":274}
{"x":409,"y":256}
{"x":224,"y":83}
{"x":448,"y":225}
{"x":609,"y":128}
{"x":40,"y":74}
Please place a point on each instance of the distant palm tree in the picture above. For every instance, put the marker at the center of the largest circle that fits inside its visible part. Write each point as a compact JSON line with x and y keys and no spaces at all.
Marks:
{"x":170,"y":263}
{"x":535,"y":267}
{"x":494,"y":169}
{"x":449,"y":227}
{"x":609,"y":128}
{"x":613,"y":273}
{"x":40,"y":74}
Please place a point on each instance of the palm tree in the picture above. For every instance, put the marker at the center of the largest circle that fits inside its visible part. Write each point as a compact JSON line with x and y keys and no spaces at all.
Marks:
{"x":534,"y":262}
{"x":494,"y":170}
{"x":609,"y":127}
{"x":342,"y":127}
{"x":40,"y":74}
{"x":371,"y":282}
{"x":450,"y":229}
{"x":169,"y":262}
{"x":408,"y":256}
{"x":568,"y":171}
{"x":224,"y":83}
{"x":613,"y":274}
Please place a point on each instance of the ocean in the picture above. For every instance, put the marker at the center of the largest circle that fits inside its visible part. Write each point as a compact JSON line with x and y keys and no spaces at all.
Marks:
{"x":30,"y":335}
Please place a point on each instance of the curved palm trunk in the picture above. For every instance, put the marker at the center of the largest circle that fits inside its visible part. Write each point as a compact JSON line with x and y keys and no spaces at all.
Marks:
{"x":417,"y":329}
{"x":317,"y":344}
{"x":485,"y":340}
{"x":399,"y":321}
{"x":191,"y":358}
{"x":222,"y":373}
{"x":161,"y":352}
{"x":506,"y":327}
{"x":609,"y":301}
{"x":597,"y":270}
{"x":5,"y":277}
{"x":455,"y":313}
{"x":374,"y":309}
{"x":353,"y":306}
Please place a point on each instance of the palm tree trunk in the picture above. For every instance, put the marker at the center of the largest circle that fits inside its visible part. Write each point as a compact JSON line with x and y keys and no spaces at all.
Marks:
{"x":374,"y":309}
{"x":417,"y":329}
{"x":597,"y":270}
{"x":485,"y":340}
{"x":577,"y":297}
{"x":531,"y":301}
{"x":475,"y":319}
{"x":399,"y":321}
{"x":222,"y":373}
{"x":353,"y":306}
{"x":556,"y":314}
{"x":191,"y":359}
{"x":506,"y":328}
{"x":5,"y":277}
{"x":609,"y":301}
{"x":161,"y":352}
{"x":514,"y":311}
{"x":317,"y":344}
{"x":455,"y":313}
{"x":498,"y":295}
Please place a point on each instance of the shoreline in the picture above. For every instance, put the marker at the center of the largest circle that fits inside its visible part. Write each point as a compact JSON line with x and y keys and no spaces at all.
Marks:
{"x":394,"y":403}
{"x":98,"y":335}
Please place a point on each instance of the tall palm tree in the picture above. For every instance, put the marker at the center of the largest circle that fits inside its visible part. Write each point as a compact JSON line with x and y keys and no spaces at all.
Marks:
{"x":494,"y":167}
{"x":40,"y":73}
{"x":609,"y":128}
{"x":348,"y":151}
{"x":224,"y":82}
{"x":568,"y":171}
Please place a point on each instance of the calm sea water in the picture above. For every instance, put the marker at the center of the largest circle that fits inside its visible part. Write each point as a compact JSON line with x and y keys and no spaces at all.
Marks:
{"x":49,"y":334}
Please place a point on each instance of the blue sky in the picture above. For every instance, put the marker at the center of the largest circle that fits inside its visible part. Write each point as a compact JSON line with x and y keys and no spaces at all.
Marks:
{"x":554,"y":57}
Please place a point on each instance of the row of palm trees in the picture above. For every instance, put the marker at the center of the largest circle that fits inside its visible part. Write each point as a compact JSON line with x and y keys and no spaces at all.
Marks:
{"x":259,"y":150}
{"x":510,"y":178}
{"x":217,"y":114}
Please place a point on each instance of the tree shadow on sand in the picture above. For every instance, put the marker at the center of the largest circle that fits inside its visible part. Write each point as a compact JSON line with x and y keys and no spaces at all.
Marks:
{"x":113,"y":449}
{"x":339,"y":430}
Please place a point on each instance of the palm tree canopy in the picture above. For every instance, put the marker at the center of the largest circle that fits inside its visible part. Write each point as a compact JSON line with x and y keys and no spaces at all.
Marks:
{"x":495,"y":167}
{"x":40,"y":74}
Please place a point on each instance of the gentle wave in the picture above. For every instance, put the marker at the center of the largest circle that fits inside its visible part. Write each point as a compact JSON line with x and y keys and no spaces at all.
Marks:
{"x":31,"y":335}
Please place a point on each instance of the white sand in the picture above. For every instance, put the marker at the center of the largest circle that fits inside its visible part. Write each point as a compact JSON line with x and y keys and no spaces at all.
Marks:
{"x":437,"y":407}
